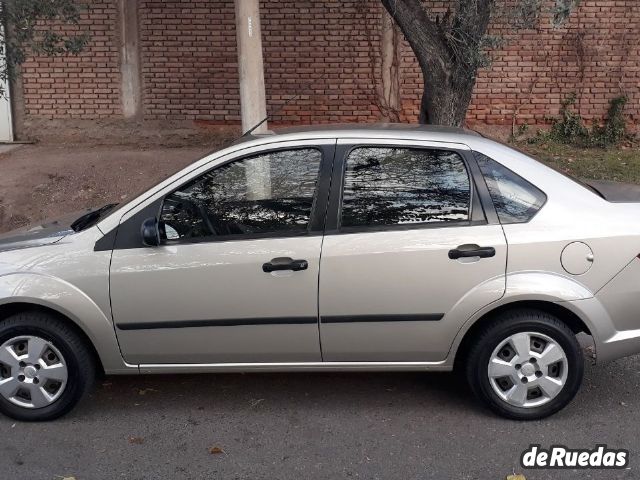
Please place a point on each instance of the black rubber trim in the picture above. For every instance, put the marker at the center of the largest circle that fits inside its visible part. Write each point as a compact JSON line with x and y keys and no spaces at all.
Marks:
{"x":482,"y":190}
{"x":129,"y":232}
{"x":106,"y":243}
{"x":218,"y":323}
{"x":427,"y":317}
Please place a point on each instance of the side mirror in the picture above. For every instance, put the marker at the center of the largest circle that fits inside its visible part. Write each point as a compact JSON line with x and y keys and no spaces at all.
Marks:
{"x":150,"y":232}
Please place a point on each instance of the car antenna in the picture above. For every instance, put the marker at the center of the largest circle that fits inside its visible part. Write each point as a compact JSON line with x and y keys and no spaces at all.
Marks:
{"x":268,"y":117}
{"x":271,"y":115}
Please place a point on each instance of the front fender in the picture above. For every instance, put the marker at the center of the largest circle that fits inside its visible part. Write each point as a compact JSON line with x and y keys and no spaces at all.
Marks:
{"x":66,"y":299}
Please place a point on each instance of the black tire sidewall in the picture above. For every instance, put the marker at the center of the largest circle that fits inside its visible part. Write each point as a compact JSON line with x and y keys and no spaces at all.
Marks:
{"x":494,"y":336}
{"x":76,"y":380}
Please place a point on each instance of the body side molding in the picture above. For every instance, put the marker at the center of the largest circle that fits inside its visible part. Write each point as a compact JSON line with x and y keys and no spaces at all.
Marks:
{"x":235,"y":322}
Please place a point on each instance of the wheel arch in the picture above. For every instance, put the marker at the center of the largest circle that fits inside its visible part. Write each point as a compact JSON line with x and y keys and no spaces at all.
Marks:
{"x":31,"y":290}
{"x":12,"y":308}
{"x":564,"y":314}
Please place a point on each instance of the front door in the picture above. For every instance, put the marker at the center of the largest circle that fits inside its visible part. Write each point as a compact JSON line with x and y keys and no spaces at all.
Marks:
{"x":235,"y":279}
{"x":409,"y":255}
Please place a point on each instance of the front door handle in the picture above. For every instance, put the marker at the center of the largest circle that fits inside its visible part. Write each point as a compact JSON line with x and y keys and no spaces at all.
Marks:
{"x":472,"y":250}
{"x":285,"y":263}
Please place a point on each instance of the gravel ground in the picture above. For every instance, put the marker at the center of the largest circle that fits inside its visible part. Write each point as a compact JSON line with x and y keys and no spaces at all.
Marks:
{"x":38,"y":182}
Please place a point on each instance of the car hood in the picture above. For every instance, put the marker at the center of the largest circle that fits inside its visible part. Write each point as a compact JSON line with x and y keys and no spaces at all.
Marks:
{"x":616,"y":191}
{"x":44,"y":233}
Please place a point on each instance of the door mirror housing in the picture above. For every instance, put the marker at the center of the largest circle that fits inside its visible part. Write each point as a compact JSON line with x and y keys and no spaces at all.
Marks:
{"x":150,"y":232}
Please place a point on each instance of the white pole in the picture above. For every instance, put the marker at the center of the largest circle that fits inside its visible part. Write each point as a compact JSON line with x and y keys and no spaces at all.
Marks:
{"x":253,"y":103}
{"x":252,"y":93}
{"x":6,"y":121}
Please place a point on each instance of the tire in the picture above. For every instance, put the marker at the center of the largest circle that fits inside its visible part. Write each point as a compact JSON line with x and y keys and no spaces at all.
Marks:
{"x":548,"y":387}
{"x":62,"y":375}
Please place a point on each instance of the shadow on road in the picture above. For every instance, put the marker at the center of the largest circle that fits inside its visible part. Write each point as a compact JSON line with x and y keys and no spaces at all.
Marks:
{"x":436,"y":393}
{"x":228,"y":392}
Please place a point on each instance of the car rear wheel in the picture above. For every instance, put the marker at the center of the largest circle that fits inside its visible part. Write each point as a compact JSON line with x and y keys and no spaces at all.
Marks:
{"x":526,"y":365}
{"x":45,"y":367}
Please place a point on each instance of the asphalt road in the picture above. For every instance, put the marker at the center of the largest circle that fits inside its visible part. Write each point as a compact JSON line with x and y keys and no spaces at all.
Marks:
{"x":299,"y":426}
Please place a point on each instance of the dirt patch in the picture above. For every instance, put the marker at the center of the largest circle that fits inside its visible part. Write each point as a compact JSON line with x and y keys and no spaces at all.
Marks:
{"x":118,"y":132}
{"x":38,"y":182}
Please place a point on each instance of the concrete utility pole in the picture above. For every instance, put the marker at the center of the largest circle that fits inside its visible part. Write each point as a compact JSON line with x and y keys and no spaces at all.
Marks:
{"x":6,"y":122}
{"x":252,"y":93}
{"x":130,"y":59}
{"x":253,"y":103}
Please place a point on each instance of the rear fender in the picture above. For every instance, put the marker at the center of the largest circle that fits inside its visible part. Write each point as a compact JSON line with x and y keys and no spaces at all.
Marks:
{"x":541,"y":287}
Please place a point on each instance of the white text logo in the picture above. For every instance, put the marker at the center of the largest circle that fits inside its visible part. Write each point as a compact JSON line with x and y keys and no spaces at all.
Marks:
{"x":559,"y":456}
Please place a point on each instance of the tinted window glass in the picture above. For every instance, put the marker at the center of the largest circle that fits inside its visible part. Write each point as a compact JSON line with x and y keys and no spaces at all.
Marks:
{"x":395,"y":186}
{"x":515,"y":199}
{"x":263,"y":194}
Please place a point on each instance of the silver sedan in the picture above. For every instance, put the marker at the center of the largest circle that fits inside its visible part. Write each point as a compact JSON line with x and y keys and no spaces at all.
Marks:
{"x":340,"y":248}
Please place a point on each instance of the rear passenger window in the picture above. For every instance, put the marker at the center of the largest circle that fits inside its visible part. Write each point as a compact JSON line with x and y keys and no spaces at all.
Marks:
{"x":399,"y":186}
{"x":515,"y":199}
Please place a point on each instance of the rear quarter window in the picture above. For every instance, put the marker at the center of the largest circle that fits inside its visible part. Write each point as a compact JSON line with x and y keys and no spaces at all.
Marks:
{"x":515,"y":199}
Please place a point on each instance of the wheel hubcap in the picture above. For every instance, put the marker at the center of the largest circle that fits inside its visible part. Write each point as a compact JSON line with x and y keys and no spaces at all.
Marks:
{"x":528,"y":369}
{"x":33,"y":372}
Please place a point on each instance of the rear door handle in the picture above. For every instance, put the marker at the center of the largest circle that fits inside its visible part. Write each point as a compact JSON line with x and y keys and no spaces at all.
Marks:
{"x":471,"y":250}
{"x":285,"y":263}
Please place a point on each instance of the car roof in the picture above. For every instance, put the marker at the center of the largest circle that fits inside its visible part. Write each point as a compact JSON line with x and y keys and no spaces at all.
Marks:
{"x":374,"y":130}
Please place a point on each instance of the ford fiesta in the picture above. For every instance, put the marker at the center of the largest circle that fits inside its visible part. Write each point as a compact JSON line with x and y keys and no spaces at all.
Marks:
{"x":362,"y":248}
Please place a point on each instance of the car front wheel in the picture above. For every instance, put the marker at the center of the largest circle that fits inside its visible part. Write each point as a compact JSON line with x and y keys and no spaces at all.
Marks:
{"x":45,"y":367}
{"x":526,"y":365}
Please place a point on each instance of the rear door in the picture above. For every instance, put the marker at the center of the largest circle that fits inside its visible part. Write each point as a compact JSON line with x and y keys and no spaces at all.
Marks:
{"x":409,"y":253}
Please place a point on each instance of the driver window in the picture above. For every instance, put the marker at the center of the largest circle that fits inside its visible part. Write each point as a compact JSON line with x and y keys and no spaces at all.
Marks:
{"x":268,"y":193}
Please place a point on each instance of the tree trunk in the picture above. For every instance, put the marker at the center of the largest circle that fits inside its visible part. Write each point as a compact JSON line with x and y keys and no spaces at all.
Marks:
{"x":445,"y":103}
{"x":446,"y":52}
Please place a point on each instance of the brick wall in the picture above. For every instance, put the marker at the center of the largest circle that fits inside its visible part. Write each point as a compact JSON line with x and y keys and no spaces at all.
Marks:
{"x":320,"y":50}
{"x":188,"y":55}
{"x":190,"y":71}
{"x":329,"y":53}
{"x":596,"y":55}
{"x":86,"y":86}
